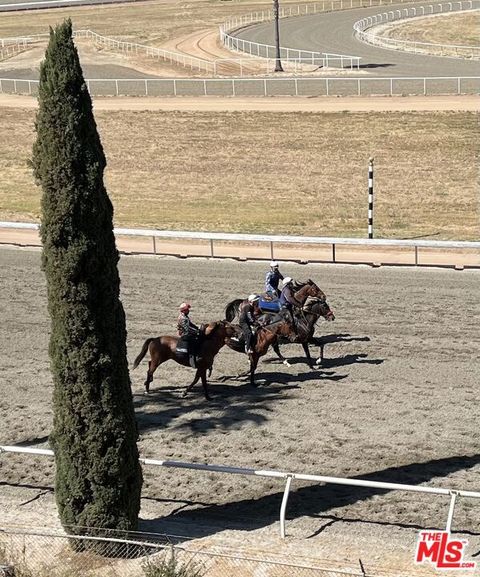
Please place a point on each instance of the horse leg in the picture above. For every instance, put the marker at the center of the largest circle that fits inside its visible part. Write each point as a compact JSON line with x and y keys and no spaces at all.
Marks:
{"x":319,"y":361}
{"x":193,"y":383}
{"x":276,"y":348}
{"x":307,"y":354}
{"x":253,"y":365}
{"x":205,"y":385}
{"x":149,"y":379}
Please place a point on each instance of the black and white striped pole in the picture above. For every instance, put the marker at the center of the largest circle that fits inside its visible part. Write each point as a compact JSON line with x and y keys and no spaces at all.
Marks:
{"x":370,"y":198}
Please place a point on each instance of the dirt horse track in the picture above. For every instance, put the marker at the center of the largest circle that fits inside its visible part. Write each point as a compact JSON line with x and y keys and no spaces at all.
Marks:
{"x":395,"y":401}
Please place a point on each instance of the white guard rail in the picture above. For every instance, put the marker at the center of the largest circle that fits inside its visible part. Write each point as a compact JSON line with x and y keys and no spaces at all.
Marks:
{"x":288,"y":477}
{"x":235,"y":23}
{"x":212,"y":237}
{"x":279,"y":86}
{"x":366,"y":29}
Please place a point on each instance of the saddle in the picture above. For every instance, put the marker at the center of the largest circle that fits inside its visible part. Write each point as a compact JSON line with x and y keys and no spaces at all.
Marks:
{"x":186,"y":351}
{"x":269,"y":306}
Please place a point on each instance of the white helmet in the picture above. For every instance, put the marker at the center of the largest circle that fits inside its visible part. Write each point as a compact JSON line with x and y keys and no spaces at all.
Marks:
{"x":286,"y":280}
{"x":253,"y":298}
{"x":274,"y":264}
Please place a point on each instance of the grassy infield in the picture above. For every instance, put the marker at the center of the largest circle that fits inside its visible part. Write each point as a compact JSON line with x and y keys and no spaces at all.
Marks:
{"x":300,"y":173}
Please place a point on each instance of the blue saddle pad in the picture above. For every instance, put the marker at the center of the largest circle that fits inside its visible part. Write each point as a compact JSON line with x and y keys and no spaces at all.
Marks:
{"x":270,"y":306}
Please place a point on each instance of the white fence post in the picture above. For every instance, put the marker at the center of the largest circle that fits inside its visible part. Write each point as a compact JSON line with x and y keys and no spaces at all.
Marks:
{"x":283,"y":508}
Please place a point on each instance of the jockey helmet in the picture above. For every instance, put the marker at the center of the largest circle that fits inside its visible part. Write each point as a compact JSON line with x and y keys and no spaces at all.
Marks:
{"x":286,"y":280}
{"x":184,"y":307}
{"x":274,"y":264}
{"x":253,"y":298}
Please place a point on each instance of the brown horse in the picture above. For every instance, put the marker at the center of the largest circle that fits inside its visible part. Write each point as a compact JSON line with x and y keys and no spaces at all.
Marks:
{"x":162,"y":349}
{"x":305,"y":320}
{"x":301,"y":291}
{"x":281,"y":327}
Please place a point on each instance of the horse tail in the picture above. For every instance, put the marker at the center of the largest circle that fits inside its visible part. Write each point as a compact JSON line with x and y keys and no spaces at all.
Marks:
{"x":143,"y":352}
{"x":231,"y":310}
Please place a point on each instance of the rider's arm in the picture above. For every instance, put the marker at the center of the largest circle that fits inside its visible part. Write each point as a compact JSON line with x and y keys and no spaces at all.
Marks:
{"x":268,"y":286}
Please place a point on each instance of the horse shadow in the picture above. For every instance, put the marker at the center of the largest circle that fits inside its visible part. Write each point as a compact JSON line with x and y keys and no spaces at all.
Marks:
{"x":337,"y":338}
{"x":350,"y":360}
{"x":314,"y":501}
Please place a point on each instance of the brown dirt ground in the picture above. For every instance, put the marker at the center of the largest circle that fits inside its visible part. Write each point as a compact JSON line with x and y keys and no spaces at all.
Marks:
{"x":395,"y":401}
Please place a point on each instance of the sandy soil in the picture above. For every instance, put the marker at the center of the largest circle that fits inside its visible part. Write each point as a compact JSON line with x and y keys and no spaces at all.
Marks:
{"x":279,"y":104}
{"x":395,"y":401}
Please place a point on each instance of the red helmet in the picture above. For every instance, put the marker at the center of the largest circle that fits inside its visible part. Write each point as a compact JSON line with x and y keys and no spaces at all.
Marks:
{"x":184,"y":307}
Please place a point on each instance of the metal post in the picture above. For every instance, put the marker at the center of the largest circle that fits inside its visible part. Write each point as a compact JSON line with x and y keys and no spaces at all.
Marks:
{"x":154,"y":245}
{"x":333,"y":253}
{"x":278,"y":63}
{"x":283,"y":508}
{"x":211,"y":247}
{"x":454,"y":495}
{"x":271,"y":249}
{"x":370,"y":198}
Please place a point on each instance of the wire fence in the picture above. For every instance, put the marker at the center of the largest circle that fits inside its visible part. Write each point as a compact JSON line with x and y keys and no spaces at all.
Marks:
{"x":29,"y":552}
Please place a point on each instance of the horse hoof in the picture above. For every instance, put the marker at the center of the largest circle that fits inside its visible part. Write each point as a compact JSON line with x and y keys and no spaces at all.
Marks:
{"x":286,"y":363}
{"x":146,"y":393}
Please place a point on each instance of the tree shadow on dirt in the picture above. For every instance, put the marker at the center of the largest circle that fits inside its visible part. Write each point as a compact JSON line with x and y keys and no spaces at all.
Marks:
{"x":313,"y":501}
{"x":231,"y":405}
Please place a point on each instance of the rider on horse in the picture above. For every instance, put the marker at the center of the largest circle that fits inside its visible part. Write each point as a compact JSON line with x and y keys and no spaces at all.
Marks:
{"x":187,"y":330}
{"x":272,"y":279}
{"x":249,"y":314}
{"x":287,"y":297}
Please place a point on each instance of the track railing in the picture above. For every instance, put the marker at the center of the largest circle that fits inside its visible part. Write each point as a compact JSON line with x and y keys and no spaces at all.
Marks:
{"x":279,"y":86}
{"x":367,"y":29}
{"x":272,"y":242}
{"x":288,"y":55}
{"x":288,"y":478}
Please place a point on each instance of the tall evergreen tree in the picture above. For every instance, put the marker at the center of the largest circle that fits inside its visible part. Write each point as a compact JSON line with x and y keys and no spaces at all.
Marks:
{"x":98,"y":478}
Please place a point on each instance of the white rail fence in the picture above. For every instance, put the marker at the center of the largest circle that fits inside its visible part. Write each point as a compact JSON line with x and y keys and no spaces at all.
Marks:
{"x":288,"y":478}
{"x":274,"y":241}
{"x":284,"y":86}
{"x":236,"y":23}
{"x":367,"y":30}
{"x":288,"y":55}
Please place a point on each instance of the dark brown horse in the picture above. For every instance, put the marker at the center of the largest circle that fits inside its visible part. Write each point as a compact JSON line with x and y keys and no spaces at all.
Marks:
{"x":315,"y":305}
{"x":162,"y":349}
{"x":301,"y":291}
{"x":281,"y":327}
{"x":305,"y":321}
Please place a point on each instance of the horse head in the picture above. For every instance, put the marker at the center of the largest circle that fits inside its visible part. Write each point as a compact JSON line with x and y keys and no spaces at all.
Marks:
{"x":315,"y":291}
{"x":319,"y":307}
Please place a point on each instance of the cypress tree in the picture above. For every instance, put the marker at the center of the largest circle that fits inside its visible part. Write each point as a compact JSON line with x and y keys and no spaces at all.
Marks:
{"x":98,"y":476}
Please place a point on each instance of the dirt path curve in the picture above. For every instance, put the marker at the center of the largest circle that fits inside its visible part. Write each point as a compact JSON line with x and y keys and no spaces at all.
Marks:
{"x":277,"y":104}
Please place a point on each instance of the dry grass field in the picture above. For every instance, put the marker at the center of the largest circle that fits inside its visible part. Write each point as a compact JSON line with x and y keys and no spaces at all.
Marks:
{"x":146,"y":22}
{"x":301,"y":173}
{"x":461,"y":29}
{"x":395,"y":401}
